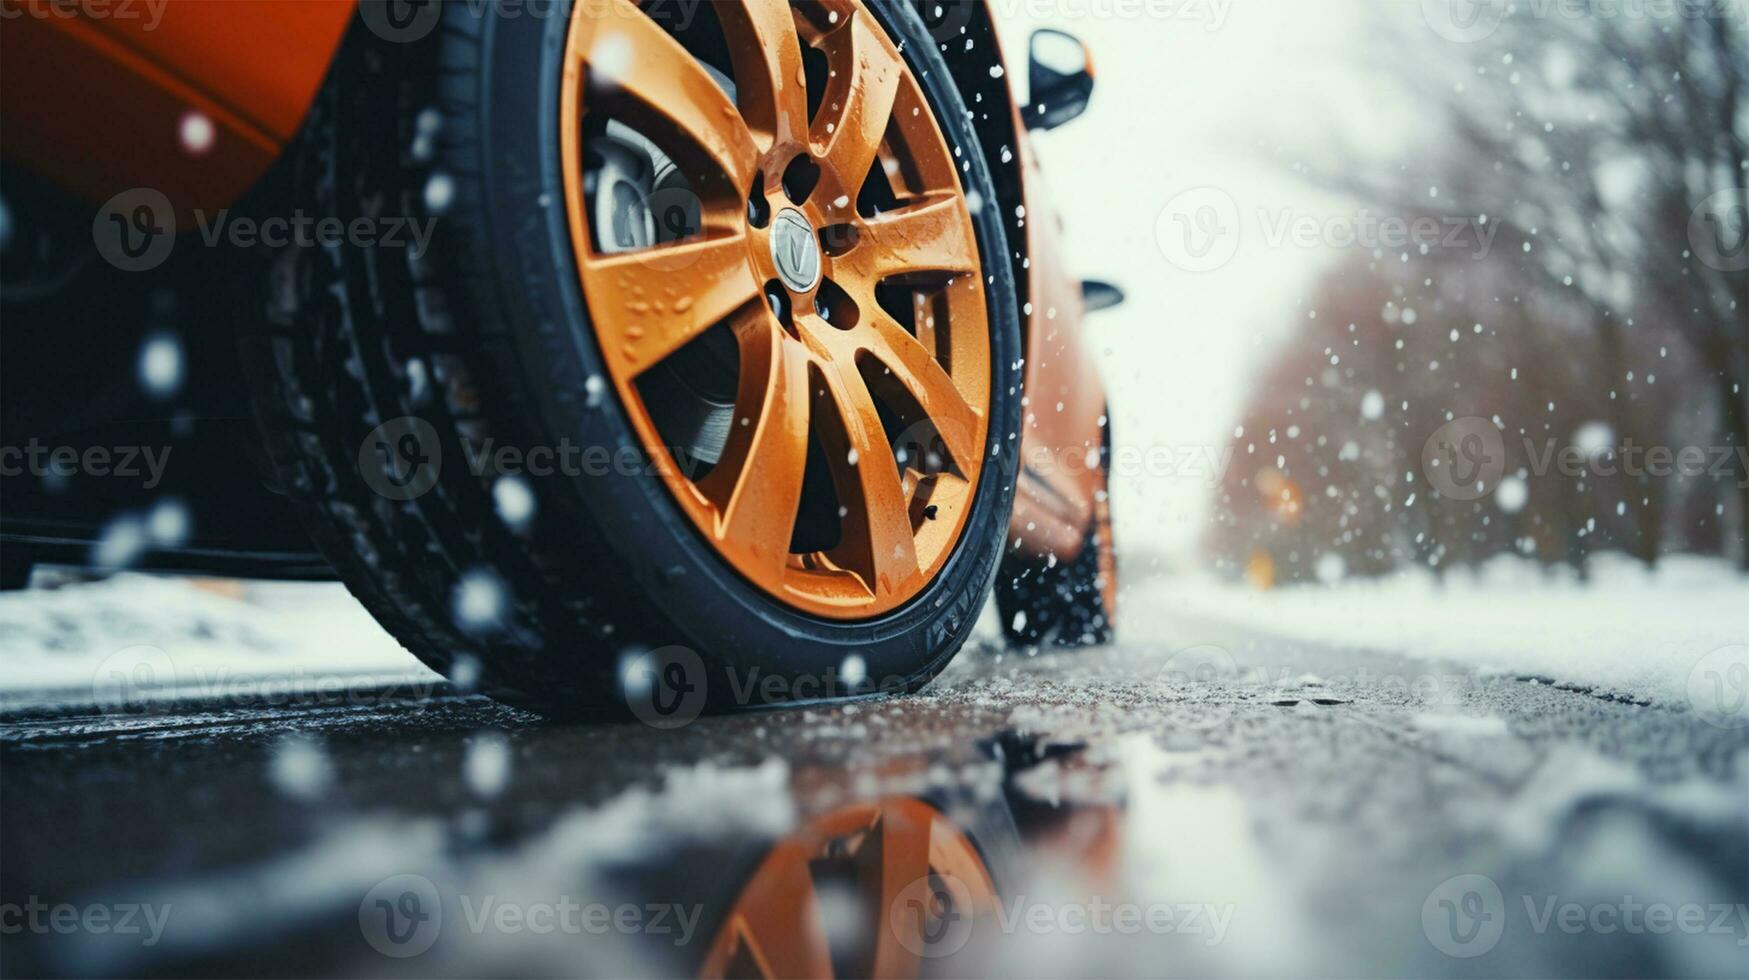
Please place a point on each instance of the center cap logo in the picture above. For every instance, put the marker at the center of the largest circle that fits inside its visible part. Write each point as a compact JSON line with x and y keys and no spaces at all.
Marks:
{"x":795,"y":251}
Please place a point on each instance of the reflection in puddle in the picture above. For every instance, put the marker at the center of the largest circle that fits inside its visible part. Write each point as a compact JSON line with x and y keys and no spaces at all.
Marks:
{"x":868,"y":890}
{"x":949,"y":867}
{"x":1281,"y":844}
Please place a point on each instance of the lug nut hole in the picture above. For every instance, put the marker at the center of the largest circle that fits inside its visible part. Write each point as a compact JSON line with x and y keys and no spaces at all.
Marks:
{"x":799,"y":178}
{"x":758,"y":208}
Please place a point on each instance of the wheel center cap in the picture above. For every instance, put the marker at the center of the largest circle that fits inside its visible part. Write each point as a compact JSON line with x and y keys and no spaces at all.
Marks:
{"x":795,"y":250}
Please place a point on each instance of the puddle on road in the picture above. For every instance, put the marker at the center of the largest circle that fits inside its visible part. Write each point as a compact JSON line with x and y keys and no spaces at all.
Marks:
{"x":1058,"y":847}
{"x":1015,"y":855}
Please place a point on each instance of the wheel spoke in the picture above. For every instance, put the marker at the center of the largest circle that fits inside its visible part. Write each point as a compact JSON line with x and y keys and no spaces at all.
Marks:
{"x":650,"y":303}
{"x":635,"y":67}
{"x":757,"y":484}
{"x":879,"y":541}
{"x":776,"y":921}
{"x":923,"y":378}
{"x":858,"y":102}
{"x":904,"y":861}
{"x":769,"y":82}
{"x":930,"y":236}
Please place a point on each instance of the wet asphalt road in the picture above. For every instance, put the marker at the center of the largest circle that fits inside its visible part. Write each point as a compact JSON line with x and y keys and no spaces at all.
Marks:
{"x":1292,"y":811}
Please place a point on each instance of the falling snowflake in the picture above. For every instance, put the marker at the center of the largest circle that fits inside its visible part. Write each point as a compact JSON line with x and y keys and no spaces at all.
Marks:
{"x":486,"y":766}
{"x":161,"y":365}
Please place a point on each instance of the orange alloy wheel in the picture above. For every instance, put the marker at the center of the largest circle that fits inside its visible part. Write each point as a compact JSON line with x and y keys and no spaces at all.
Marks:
{"x":845,"y":400}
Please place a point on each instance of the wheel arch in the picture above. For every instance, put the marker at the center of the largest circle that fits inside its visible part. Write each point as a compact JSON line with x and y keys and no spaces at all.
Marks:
{"x":1054,"y":508}
{"x":980,"y":73}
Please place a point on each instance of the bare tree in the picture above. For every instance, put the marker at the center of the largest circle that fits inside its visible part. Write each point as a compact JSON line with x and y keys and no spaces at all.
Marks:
{"x":1605,"y":150}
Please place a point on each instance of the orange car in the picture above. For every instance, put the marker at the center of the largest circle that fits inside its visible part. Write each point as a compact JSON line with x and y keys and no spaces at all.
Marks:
{"x":716,"y":347}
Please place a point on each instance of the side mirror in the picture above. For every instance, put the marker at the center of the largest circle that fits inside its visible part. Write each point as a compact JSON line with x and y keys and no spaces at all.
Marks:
{"x":1061,"y":78}
{"x":1097,"y":295}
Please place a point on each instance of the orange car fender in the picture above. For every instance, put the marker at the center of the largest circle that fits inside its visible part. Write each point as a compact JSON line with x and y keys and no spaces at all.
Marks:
{"x":194,"y":98}
{"x":1065,"y":398}
{"x":1057,"y":500}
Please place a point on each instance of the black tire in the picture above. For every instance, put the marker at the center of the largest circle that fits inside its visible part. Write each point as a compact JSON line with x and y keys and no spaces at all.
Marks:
{"x":487,"y":336}
{"x":1064,"y":603}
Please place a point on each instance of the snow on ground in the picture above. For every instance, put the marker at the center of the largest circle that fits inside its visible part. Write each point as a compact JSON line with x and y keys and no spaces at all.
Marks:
{"x":1628,"y":632}
{"x":138,"y":637}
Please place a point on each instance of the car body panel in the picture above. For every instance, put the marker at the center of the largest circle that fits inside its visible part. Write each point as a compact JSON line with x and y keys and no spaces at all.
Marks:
{"x":1060,"y":493}
{"x":182,"y":96}
{"x":1065,"y":408}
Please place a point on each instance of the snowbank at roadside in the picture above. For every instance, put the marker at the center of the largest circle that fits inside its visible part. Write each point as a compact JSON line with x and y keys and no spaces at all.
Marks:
{"x":1629,"y":631}
{"x":143,"y":636}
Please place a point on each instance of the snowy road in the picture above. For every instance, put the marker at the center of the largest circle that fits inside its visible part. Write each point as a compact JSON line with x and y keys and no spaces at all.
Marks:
{"x":1199,"y":801}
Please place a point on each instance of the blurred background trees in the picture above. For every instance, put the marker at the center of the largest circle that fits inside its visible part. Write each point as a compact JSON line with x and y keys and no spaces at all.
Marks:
{"x":1595,"y":298}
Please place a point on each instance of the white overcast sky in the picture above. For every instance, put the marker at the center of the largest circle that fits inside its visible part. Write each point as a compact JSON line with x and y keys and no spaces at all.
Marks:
{"x":1218,"y":94}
